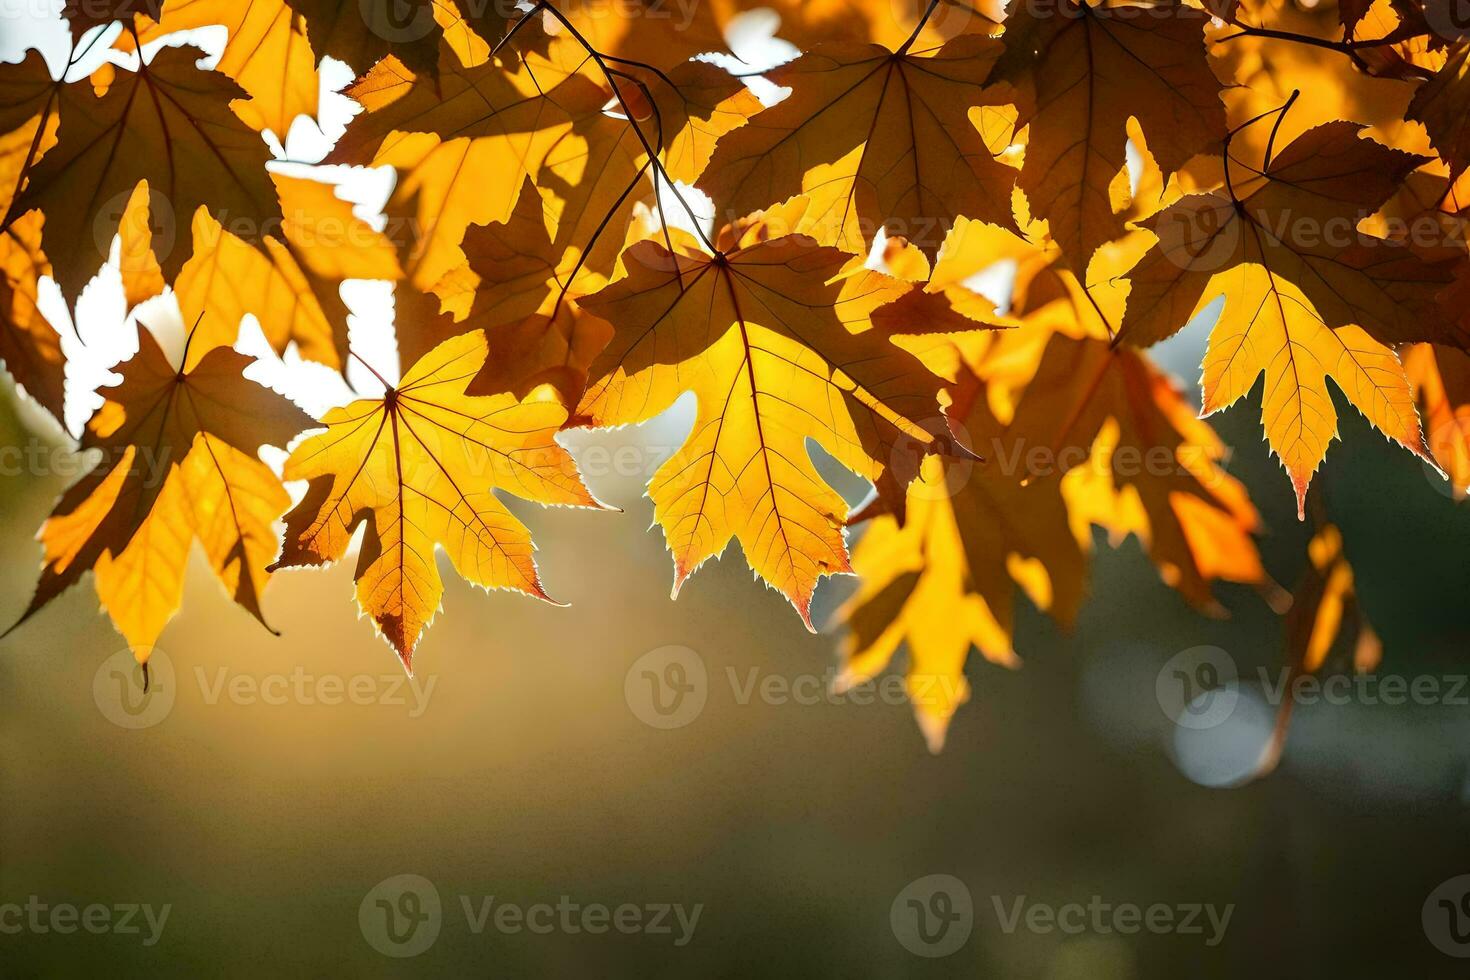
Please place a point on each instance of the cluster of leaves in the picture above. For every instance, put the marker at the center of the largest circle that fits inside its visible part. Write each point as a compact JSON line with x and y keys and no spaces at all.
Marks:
{"x":1131,"y":163}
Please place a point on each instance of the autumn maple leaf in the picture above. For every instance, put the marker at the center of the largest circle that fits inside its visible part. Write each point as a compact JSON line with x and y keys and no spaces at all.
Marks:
{"x":876,"y":139}
{"x":778,"y":347}
{"x":945,"y":581}
{"x":1082,"y":72}
{"x":1440,"y":377}
{"x":266,"y":52}
{"x":29,"y":345}
{"x":292,"y":285}
{"x":180,"y":462}
{"x":808,"y":23}
{"x":1324,"y":612}
{"x":1307,"y":295}
{"x":1442,"y":104}
{"x":168,"y":124}
{"x":521,"y":287}
{"x":363,"y":32}
{"x":420,"y":467}
{"x":83,"y":15}
{"x":464,"y":142}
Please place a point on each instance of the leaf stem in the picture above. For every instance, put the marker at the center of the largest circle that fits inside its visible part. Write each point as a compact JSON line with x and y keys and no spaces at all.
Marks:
{"x":918,"y":28}
{"x":652,"y":154}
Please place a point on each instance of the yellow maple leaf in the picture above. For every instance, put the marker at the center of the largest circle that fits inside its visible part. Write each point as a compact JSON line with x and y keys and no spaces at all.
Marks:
{"x":777,"y":348}
{"x":1082,"y":71}
{"x":420,"y":468}
{"x":465,"y":140}
{"x":29,"y":344}
{"x":875,"y":139}
{"x":179,"y":463}
{"x":266,"y":52}
{"x":1441,"y":380}
{"x":169,"y":124}
{"x":291,"y":286}
{"x":944,"y":580}
{"x":1307,"y":295}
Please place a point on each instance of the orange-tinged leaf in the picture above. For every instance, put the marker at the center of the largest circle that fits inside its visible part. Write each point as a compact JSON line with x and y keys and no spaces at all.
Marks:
{"x":292,"y":286}
{"x":142,"y":279}
{"x":169,"y":124}
{"x":1441,"y":380}
{"x":945,"y":579}
{"x":876,"y":139}
{"x":1307,"y":295}
{"x":1138,"y":461}
{"x":521,"y":288}
{"x":776,"y":351}
{"x":87,"y":14}
{"x":26,"y":93}
{"x":362,"y":32}
{"x":1083,"y":71}
{"x":420,"y":468}
{"x":29,"y":345}
{"x":809,"y":23}
{"x":1324,"y":611}
{"x":661,"y":33}
{"x":180,"y":462}
{"x":465,"y":142}
{"x":266,"y":52}
{"x":1443,"y":106}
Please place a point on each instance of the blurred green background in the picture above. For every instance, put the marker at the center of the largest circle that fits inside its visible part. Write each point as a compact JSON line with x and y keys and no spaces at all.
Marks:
{"x":528,"y":777}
